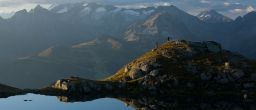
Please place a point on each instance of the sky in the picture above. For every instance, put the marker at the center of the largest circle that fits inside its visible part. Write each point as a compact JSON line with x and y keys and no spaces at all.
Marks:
{"x":231,"y":8}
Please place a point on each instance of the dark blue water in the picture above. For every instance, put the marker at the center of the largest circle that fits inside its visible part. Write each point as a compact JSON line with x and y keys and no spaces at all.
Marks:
{"x":40,"y":102}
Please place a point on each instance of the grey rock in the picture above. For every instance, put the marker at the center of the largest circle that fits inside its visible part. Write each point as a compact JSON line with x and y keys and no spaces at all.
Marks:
{"x":64,"y":84}
{"x":227,"y":65}
{"x":238,"y":74}
{"x":146,"y":68}
{"x":126,"y":69}
{"x":154,"y":73}
{"x":166,"y":54}
{"x":245,"y":96}
{"x":135,"y":73}
{"x":153,"y":107}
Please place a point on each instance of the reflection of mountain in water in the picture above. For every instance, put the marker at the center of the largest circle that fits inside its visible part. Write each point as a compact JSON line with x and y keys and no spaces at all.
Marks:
{"x":175,"y":102}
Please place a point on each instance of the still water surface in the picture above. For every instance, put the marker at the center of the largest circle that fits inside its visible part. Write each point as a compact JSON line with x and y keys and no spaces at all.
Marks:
{"x":41,"y":102}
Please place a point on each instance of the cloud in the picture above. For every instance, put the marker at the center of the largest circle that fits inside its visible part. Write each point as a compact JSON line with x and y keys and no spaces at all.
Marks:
{"x":245,"y":10}
{"x":237,"y":10}
{"x":250,"y":9}
{"x":226,"y":4}
{"x":205,"y":1}
{"x":144,"y":5}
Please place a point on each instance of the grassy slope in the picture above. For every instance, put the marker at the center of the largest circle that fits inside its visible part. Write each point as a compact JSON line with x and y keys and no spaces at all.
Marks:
{"x":150,"y":56}
{"x":175,"y":67}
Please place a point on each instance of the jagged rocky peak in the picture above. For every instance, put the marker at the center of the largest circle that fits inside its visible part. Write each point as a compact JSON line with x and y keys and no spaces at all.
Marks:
{"x":212,"y":16}
{"x":20,"y":13}
{"x":250,"y":16}
{"x":39,"y":9}
{"x":167,"y":9}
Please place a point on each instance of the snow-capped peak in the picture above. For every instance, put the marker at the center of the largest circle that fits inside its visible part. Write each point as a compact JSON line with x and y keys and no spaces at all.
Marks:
{"x":213,"y":16}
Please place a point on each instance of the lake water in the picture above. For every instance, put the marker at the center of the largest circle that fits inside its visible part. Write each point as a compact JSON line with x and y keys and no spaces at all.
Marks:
{"x":41,"y":102}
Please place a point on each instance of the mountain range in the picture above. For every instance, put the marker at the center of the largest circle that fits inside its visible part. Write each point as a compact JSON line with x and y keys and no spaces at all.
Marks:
{"x":93,"y":40}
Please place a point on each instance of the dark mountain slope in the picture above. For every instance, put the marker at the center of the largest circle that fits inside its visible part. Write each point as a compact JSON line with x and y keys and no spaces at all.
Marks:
{"x":6,"y":91}
{"x":94,"y":59}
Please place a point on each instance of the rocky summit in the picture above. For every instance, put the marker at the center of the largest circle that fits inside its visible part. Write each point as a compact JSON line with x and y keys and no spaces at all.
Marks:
{"x":176,"y":67}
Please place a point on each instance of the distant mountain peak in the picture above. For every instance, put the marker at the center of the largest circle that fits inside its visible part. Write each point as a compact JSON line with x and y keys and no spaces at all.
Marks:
{"x":167,"y":9}
{"x":212,"y":16}
{"x":20,"y":13}
{"x":250,"y":15}
{"x":38,"y":9}
{"x":248,"y":18}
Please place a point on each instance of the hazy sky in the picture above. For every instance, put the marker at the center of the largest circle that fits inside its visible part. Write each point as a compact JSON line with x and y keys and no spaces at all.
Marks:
{"x":231,"y":8}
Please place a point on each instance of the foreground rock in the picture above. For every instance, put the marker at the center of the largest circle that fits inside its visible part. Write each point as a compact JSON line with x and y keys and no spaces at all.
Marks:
{"x":79,"y":86}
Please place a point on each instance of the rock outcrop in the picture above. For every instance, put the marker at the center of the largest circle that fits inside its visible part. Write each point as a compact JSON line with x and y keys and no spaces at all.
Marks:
{"x":76,"y":85}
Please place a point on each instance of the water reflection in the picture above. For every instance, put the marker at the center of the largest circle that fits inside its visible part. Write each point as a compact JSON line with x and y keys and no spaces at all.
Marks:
{"x":180,"y":102}
{"x":125,"y":102}
{"x":41,"y":102}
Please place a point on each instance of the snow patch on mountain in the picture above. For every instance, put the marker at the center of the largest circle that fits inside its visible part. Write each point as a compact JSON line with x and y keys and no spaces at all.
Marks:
{"x":213,"y":16}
